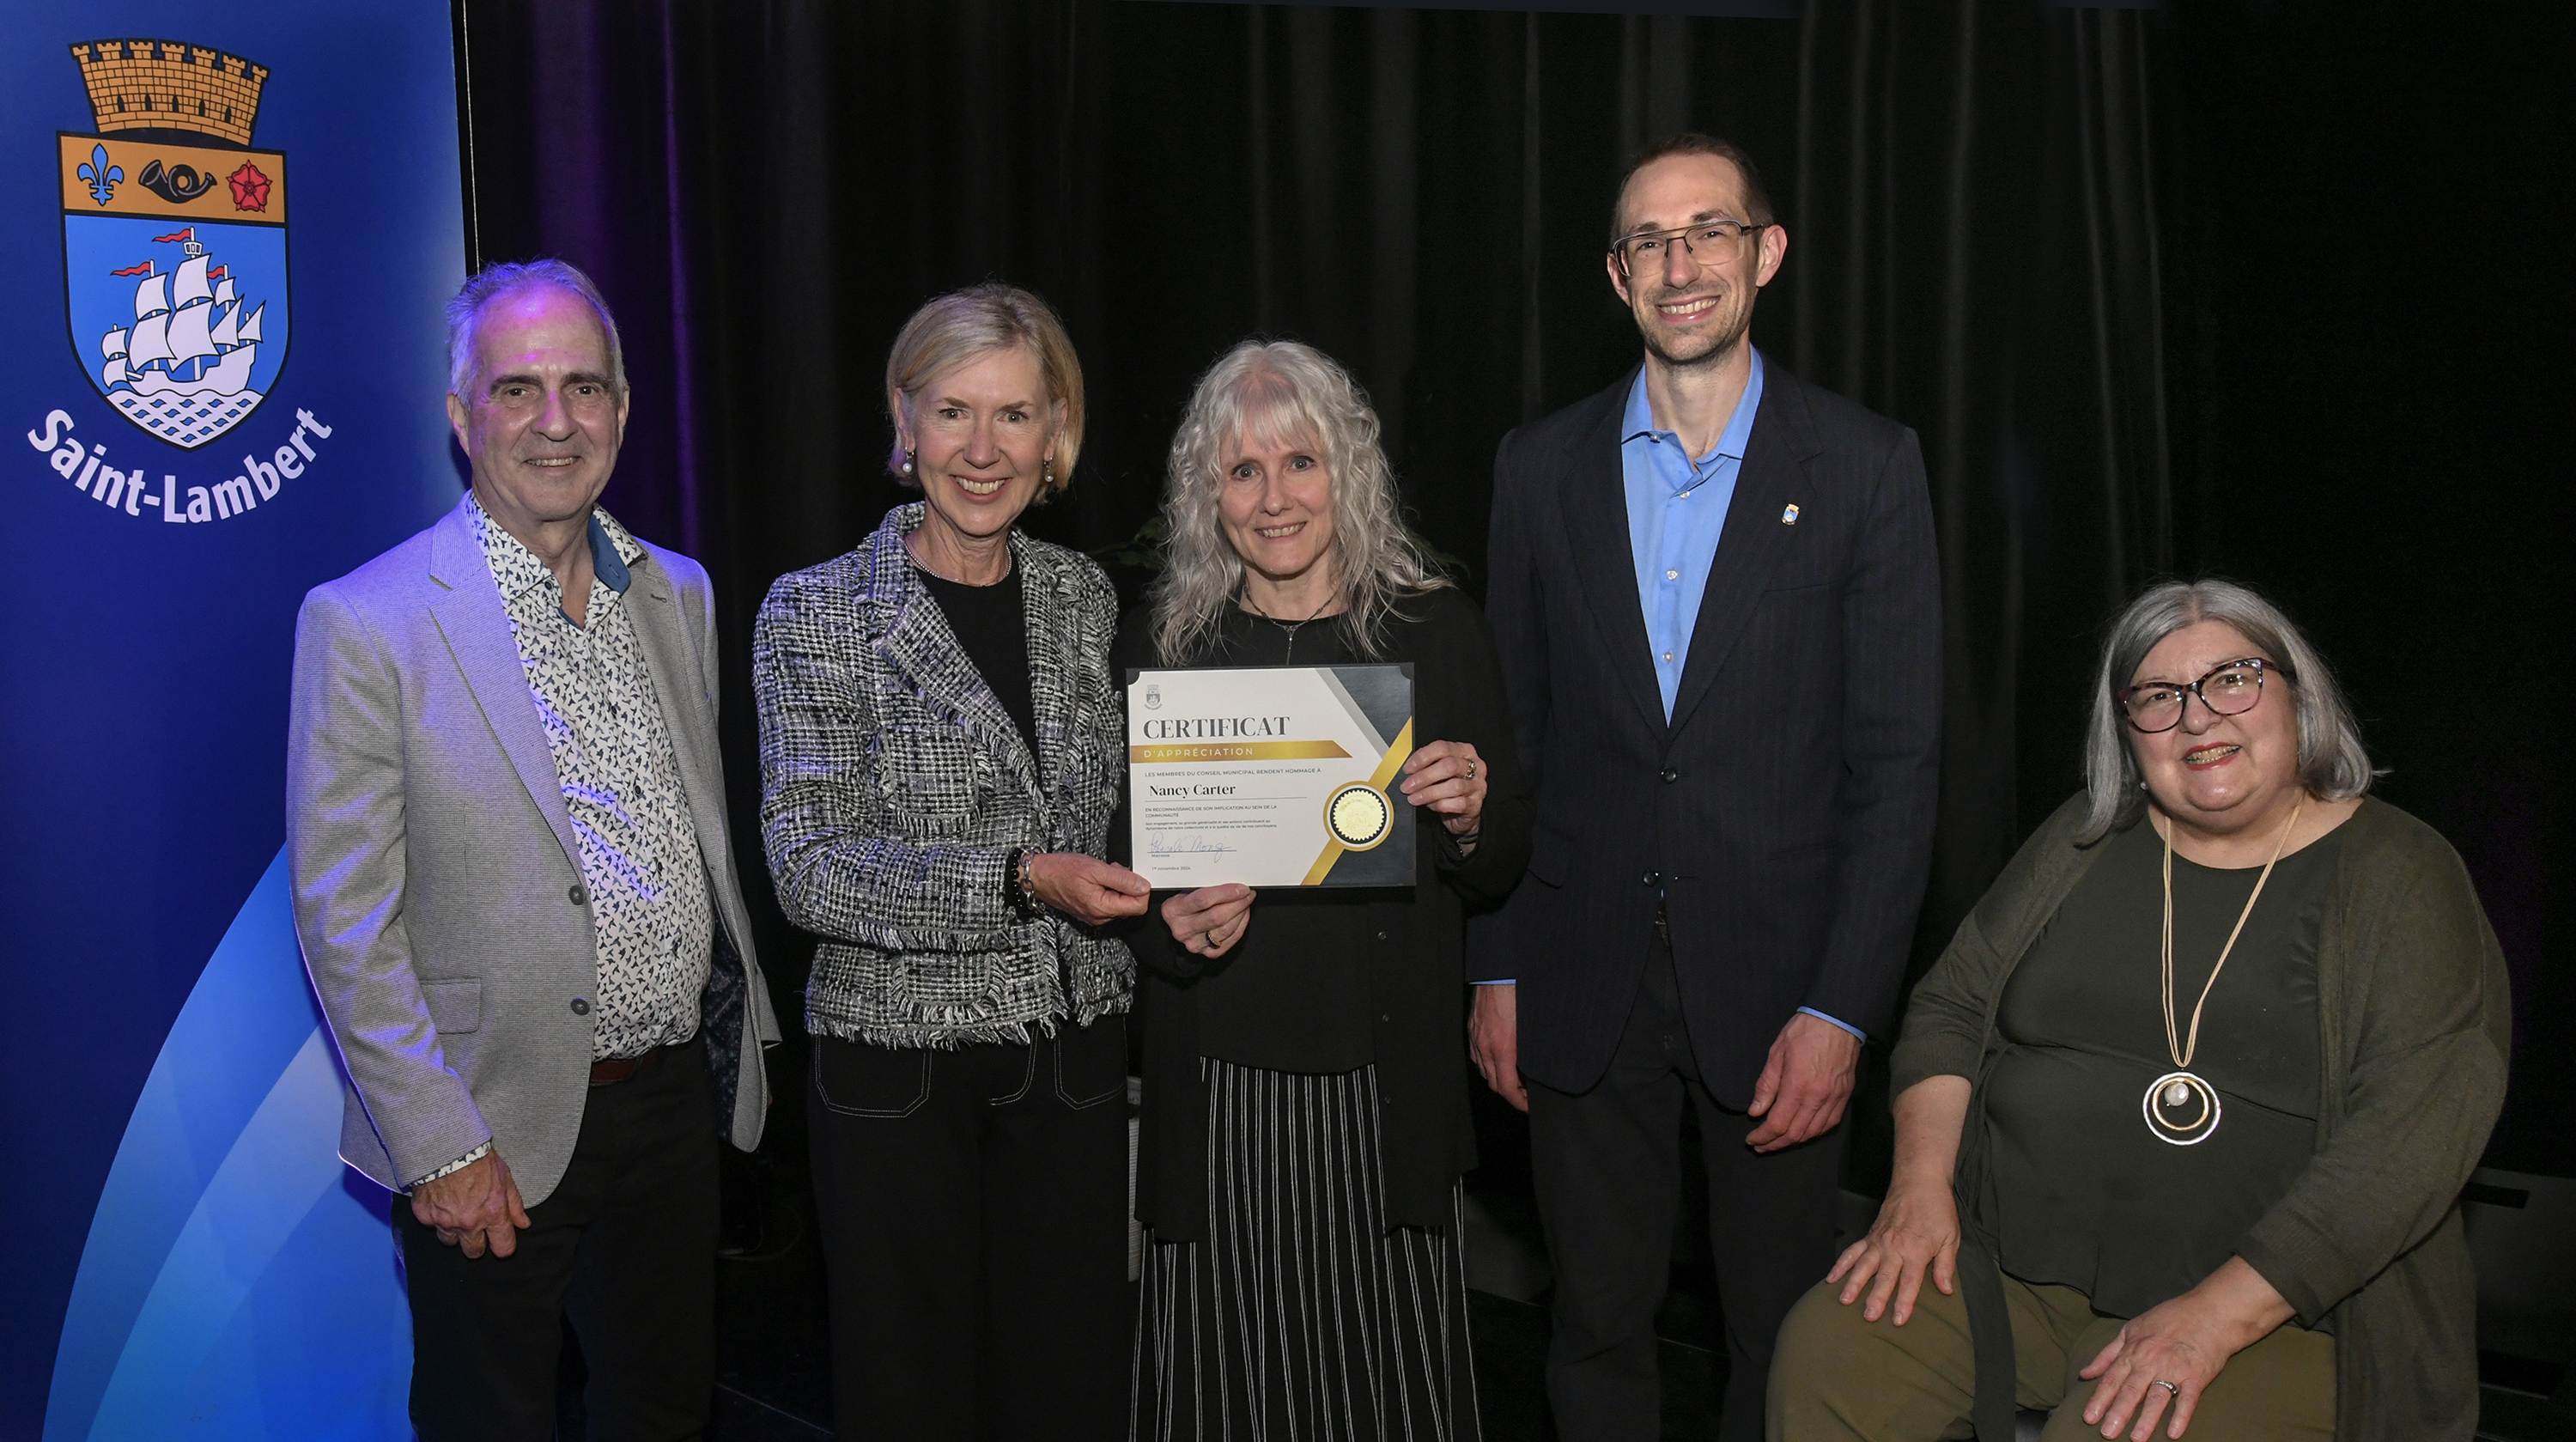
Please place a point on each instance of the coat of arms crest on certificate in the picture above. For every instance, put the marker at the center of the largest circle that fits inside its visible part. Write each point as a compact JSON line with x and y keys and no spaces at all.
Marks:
{"x":174,"y":237}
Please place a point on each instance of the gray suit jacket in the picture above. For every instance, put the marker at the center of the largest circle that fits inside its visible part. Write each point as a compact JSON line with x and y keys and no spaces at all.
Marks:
{"x":438,"y":887}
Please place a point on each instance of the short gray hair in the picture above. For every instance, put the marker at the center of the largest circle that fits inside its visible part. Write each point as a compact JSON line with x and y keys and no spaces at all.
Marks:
{"x":465,"y":312}
{"x":1282,"y":389}
{"x":2332,"y":764}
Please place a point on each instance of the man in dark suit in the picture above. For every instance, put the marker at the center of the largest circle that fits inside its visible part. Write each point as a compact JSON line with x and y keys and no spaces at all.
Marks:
{"x":1718,"y":608}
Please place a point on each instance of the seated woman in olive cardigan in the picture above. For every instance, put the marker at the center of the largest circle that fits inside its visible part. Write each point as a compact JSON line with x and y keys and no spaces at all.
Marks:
{"x":1305,"y":1069}
{"x":2184,"y":1111}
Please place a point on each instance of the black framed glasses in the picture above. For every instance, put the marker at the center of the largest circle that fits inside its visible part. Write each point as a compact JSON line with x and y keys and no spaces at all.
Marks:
{"x":2229,"y":690}
{"x":1710,"y":242}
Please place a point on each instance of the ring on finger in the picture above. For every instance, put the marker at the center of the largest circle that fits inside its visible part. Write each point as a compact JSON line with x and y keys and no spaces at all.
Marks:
{"x":2168,"y":1386}
{"x":1471,"y":768}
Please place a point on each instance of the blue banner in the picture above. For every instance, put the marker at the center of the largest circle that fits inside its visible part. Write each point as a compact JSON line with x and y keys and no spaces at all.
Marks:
{"x":220,"y":384}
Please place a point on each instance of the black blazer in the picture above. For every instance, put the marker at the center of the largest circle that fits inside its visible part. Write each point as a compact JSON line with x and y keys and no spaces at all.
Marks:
{"x":1785,"y":814}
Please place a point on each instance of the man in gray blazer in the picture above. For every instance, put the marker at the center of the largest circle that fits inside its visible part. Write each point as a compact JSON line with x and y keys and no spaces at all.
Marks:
{"x":516,"y":896}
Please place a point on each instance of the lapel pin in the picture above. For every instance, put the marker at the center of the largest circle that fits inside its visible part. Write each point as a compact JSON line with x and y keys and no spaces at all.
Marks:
{"x":1789,"y":517}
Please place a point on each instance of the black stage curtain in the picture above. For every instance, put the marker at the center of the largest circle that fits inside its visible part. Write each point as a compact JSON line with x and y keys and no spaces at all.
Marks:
{"x":2212,"y":289}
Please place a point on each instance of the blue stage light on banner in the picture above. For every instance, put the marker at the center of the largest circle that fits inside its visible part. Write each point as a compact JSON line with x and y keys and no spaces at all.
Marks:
{"x":221,"y":365}
{"x":239,"y":1280}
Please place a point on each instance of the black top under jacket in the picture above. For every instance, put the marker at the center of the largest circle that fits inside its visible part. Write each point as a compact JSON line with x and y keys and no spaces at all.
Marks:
{"x":1335,"y":980}
{"x":1782,"y":816}
{"x":992,"y":625}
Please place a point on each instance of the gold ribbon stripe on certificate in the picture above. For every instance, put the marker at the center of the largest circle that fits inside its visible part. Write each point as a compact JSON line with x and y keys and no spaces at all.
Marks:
{"x":1236,"y":751}
{"x":1385,"y":773}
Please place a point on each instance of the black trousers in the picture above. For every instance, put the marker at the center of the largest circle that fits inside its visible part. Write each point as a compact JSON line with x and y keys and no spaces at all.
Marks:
{"x":625,"y":1246}
{"x":1607,"y":1165}
{"x":974,"y":1224}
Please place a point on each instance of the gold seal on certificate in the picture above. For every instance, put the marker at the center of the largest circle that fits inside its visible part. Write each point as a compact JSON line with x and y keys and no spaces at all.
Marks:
{"x":1271,"y":775}
{"x":1359,"y":816}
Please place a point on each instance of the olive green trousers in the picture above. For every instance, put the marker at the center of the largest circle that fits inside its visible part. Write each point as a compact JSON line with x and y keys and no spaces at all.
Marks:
{"x":1835,"y":1376}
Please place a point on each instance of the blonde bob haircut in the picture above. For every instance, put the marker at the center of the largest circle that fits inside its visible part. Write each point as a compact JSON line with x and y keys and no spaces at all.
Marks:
{"x":1282,"y":392}
{"x":2333,"y":765}
{"x":965,"y":325}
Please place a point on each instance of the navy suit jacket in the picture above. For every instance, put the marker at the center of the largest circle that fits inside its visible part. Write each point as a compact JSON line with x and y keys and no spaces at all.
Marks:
{"x":1784,"y":815}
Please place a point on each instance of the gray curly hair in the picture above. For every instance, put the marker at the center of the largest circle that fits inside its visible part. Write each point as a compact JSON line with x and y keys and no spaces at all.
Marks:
{"x":1282,"y":389}
{"x":2333,"y":766}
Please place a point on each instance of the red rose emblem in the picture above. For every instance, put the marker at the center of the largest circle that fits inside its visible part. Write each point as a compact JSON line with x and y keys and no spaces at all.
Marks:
{"x":250,"y":188}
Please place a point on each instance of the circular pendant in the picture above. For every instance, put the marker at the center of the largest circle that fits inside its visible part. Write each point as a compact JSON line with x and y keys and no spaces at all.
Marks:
{"x":2180,"y":1108}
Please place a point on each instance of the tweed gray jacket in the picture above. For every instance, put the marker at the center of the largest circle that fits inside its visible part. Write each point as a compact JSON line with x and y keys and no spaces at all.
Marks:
{"x":894,"y":787}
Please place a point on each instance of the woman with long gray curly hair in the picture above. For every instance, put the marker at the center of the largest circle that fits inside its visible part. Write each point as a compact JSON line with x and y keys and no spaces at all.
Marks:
{"x":1372,"y":561}
{"x":1305,"y":1094}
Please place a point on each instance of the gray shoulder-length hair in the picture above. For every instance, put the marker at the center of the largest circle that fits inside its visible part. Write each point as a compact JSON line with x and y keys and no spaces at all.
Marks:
{"x":2332,"y":764}
{"x":1270,"y":390}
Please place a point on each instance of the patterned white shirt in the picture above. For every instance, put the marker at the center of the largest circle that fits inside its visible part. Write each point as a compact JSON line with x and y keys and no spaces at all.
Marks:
{"x":621,"y":783}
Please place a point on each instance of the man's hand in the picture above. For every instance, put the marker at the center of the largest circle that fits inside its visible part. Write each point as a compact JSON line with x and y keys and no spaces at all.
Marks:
{"x":1804,"y":1085}
{"x":1086,"y":888}
{"x":1494,"y":1040}
{"x":475,"y":1206}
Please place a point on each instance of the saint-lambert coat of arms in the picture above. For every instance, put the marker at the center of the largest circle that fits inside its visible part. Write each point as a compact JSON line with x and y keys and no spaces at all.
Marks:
{"x":174,"y":237}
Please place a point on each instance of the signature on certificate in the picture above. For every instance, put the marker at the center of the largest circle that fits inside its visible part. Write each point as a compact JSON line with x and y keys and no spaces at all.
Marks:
{"x":1188,"y":846}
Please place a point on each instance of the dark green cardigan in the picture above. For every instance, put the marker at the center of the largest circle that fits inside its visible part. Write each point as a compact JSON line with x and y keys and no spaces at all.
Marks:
{"x":2411,"y":1001}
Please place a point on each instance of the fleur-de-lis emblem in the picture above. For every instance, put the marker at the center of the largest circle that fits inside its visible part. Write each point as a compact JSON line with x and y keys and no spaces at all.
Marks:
{"x":103,"y":178}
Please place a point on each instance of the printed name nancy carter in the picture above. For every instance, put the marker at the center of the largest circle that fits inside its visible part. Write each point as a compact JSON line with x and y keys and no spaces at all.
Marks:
{"x":87,"y":468}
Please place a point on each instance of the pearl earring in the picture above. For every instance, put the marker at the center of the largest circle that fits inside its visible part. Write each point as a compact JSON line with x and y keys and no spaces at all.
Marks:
{"x":907,"y":463}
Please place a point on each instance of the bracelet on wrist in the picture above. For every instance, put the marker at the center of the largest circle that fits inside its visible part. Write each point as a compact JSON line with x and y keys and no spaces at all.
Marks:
{"x":1020,"y":885}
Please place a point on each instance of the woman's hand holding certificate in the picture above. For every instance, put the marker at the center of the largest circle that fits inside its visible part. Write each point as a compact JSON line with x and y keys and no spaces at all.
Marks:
{"x":1209,"y":921}
{"x":1448,"y":777}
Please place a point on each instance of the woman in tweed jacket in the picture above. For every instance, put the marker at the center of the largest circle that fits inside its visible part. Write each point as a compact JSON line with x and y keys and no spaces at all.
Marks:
{"x":940,"y":756}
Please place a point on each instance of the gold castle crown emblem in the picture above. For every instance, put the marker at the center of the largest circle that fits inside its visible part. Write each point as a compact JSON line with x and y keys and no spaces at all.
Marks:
{"x":170,"y":85}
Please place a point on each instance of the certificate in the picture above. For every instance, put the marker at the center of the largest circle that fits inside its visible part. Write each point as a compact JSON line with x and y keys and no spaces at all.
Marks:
{"x":1270,"y":776}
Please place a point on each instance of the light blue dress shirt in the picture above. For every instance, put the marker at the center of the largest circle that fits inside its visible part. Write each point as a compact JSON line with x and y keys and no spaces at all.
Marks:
{"x":1676,"y":518}
{"x":1676,"y":515}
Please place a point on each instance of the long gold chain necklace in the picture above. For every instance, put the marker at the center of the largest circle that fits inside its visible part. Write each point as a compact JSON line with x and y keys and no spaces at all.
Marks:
{"x":2169,"y":1098}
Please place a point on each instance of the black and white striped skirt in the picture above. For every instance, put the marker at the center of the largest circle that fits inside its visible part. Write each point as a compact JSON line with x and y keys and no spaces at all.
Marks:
{"x":1303,"y":1317}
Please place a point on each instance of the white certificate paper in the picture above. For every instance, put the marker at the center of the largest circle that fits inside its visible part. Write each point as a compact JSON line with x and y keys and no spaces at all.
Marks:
{"x":1270,"y":776}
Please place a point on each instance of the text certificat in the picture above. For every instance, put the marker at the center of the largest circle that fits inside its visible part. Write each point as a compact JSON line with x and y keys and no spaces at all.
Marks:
{"x":1270,"y":775}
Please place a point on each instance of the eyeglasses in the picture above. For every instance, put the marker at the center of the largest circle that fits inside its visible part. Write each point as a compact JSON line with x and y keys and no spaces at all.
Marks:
{"x":2229,"y":690}
{"x":1711,"y":242}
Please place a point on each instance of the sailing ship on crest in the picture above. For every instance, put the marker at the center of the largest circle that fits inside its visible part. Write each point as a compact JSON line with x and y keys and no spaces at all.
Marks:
{"x":182,"y":369}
